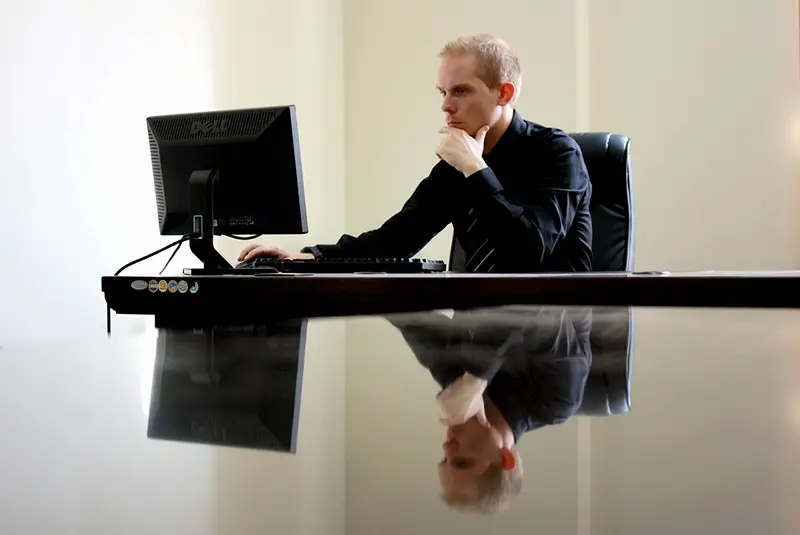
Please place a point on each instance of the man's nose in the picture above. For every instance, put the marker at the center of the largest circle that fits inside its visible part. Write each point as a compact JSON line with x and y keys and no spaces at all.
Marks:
{"x":447,"y":106}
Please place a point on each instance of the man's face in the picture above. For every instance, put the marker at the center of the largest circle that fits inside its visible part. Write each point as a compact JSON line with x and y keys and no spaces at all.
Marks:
{"x":468,"y":103}
{"x":469,"y":449}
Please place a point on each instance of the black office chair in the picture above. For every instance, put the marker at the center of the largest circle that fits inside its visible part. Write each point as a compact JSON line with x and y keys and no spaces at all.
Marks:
{"x":607,"y":390}
{"x":607,"y":158}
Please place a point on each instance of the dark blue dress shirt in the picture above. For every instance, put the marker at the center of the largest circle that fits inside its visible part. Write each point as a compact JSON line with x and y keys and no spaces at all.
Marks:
{"x":527,"y":212}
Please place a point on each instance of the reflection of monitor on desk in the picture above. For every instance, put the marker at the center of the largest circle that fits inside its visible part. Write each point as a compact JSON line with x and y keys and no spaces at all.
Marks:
{"x":229,"y":386}
{"x":227,"y":172}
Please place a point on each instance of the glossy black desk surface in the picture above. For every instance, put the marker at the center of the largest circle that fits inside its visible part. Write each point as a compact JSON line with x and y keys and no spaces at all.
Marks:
{"x":302,"y":295}
{"x":682,"y":421}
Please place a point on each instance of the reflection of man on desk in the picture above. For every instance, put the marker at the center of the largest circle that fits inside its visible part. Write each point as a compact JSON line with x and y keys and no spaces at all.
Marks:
{"x":516,"y":192}
{"x":503,"y":373}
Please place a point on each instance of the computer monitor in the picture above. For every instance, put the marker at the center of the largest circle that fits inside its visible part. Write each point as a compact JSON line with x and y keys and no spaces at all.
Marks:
{"x":231,"y":172}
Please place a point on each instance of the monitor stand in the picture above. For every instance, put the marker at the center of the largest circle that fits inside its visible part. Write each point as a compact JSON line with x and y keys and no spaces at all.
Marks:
{"x":201,"y":207}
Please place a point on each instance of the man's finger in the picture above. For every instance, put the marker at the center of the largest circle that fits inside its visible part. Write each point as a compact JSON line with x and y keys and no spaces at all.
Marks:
{"x":258,"y":250}
{"x":246,"y":250}
{"x":482,"y":134}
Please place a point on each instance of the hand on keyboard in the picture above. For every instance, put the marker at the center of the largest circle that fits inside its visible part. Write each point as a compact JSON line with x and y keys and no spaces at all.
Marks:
{"x":254,"y":250}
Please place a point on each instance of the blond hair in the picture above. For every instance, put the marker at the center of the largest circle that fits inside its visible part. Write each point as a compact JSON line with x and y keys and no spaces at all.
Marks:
{"x":496,"y":488}
{"x":497,"y":63}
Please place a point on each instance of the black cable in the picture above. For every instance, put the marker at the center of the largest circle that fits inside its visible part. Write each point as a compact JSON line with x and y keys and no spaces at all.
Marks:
{"x":173,"y":244}
{"x":129,"y":264}
{"x":244,"y":238}
{"x":171,"y":257}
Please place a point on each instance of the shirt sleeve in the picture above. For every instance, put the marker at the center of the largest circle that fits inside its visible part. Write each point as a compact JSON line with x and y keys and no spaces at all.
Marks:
{"x":420,"y":219}
{"x":542,"y":382}
{"x":532,"y":218}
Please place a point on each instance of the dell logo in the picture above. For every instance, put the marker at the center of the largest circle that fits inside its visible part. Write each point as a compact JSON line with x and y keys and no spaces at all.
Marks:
{"x":207,"y":127}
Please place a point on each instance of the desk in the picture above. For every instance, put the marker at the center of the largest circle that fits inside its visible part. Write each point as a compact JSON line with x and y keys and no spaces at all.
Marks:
{"x":670,"y":420}
{"x":244,"y":298}
{"x":663,"y":418}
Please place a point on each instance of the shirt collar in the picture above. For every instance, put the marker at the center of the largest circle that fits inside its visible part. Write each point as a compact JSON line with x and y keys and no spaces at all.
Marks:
{"x":515,"y":129}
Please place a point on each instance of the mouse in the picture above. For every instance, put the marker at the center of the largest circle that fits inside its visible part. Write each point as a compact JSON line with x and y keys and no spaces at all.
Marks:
{"x":244,"y":264}
{"x":257,"y":262}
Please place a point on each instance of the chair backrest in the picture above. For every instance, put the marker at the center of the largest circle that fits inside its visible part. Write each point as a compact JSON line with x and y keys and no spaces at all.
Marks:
{"x":608,"y":387}
{"x":607,"y":158}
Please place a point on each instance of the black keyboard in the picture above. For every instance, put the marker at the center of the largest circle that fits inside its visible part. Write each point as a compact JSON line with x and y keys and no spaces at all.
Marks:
{"x":340,"y":265}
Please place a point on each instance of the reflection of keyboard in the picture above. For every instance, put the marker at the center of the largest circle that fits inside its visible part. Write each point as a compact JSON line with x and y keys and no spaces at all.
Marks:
{"x":341,"y":265}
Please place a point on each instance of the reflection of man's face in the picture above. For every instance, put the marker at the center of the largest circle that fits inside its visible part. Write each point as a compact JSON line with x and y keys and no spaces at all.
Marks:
{"x":469,"y":450}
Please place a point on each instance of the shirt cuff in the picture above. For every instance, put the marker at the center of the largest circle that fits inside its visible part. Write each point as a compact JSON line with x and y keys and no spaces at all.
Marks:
{"x":485,"y":182}
{"x":313,"y":250}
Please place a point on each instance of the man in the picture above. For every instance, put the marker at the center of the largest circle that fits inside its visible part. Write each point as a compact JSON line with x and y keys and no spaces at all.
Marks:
{"x":516,"y":192}
{"x":503,"y":373}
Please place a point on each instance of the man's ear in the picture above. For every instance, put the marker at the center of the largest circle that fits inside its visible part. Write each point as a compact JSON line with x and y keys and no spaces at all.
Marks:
{"x":507,"y":459}
{"x":507,"y":92}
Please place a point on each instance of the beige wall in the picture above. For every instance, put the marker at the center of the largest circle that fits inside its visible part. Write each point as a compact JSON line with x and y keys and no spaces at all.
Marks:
{"x":393,"y":115}
{"x":271,"y":53}
{"x":667,"y":467}
{"x":77,"y":202}
{"x":705,"y":90}
{"x":392,"y":106}
{"x":76,"y":194}
{"x":78,"y":80}
{"x":708,"y":91}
